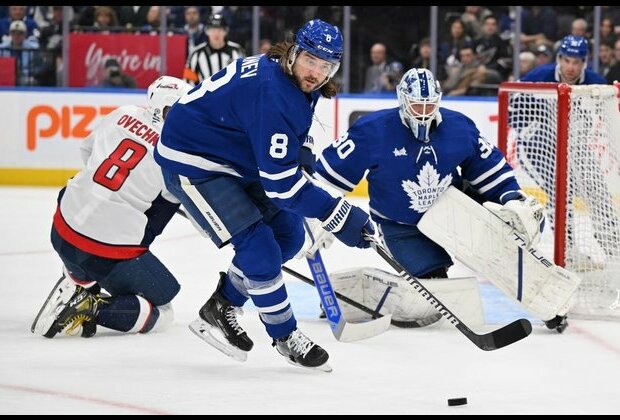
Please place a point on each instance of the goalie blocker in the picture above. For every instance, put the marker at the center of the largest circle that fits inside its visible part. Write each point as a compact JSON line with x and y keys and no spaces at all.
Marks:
{"x":488,"y":245}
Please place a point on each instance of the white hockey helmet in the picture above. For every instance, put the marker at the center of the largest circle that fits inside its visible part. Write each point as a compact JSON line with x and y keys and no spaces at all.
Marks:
{"x":419,"y":95}
{"x":163,"y":93}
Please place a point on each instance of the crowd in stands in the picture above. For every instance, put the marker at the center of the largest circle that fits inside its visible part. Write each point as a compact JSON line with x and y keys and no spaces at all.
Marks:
{"x":474,"y":54}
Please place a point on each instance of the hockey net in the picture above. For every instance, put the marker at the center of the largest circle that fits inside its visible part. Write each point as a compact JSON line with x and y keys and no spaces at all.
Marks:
{"x":564,"y":145}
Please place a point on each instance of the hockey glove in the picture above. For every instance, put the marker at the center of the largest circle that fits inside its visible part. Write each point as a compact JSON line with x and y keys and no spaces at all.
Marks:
{"x":349,"y":223}
{"x":524,"y":213}
{"x":306,"y":157}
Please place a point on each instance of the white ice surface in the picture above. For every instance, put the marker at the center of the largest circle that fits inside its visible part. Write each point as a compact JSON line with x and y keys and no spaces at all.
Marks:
{"x":173,"y":372}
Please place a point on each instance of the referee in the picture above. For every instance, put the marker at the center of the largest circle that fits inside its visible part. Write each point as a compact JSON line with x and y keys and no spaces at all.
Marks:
{"x":211,"y":56}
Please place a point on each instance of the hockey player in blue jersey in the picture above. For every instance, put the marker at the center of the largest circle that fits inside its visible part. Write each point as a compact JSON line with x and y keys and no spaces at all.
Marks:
{"x":413,"y":153}
{"x":537,"y":136}
{"x":230,"y":152}
{"x":570,"y":66}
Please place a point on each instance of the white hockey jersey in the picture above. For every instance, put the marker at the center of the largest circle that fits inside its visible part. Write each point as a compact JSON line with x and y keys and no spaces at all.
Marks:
{"x":117,"y":204}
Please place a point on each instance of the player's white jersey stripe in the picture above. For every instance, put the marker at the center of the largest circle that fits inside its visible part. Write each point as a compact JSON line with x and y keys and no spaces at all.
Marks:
{"x":274,"y":308}
{"x":193,"y":160}
{"x":490,"y":172}
{"x":280,"y":175}
{"x":326,"y":181}
{"x":333,"y":173}
{"x":205,"y":209}
{"x":143,"y":316}
{"x":287,"y":194}
{"x":267,"y":290}
{"x":509,"y":174}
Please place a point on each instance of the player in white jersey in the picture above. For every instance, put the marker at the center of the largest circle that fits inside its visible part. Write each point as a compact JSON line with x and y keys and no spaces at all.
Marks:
{"x":107,"y":217}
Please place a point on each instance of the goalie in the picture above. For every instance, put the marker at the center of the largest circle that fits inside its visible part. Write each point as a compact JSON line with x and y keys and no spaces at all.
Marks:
{"x":413,"y":154}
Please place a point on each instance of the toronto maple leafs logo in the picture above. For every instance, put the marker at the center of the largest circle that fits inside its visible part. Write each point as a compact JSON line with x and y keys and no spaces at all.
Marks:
{"x":422,"y":194}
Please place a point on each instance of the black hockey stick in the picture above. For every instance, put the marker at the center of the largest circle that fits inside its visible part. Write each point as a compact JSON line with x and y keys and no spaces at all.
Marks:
{"x":493,"y":340}
{"x":375,"y":314}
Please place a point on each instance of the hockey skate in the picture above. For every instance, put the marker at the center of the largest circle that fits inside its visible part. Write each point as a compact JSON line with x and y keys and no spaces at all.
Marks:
{"x":67,"y":308}
{"x":219,"y":327}
{"x":300,"y":350}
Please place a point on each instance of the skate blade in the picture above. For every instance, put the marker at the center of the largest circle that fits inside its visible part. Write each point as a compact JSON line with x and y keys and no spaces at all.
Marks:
{"x":205,"y":332}
{"x":61,"y":294}
{"x":325,"y":367}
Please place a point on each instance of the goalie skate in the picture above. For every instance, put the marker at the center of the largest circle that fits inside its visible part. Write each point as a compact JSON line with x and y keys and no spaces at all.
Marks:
{"x":60,"y":295}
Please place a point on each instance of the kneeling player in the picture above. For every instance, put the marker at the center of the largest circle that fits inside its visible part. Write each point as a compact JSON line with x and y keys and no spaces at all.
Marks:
{"x":106,"y":219}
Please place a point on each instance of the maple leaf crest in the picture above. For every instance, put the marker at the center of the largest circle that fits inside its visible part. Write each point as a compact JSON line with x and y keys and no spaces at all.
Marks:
{"x":422,"y":194}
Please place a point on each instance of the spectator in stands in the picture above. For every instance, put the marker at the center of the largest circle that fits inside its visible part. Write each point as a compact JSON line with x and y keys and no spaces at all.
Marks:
{"x":115,"y":77}
{"x":492,"y":50}
{"x":264,"y":45}
{"x":527,"y":62}
{"x":51,"y":48}
{"x":210,"y":57}
{"x":543,"y":53}
{"x":607,"y":31}
{"x":614,"y":72}
{"x":24,"y":50}
{"x":133,"y":17}
{"x":194,"y":29}
{"x":18,"y":13}
{"x":538,"y":24}
{"x":422,"y":54}
{"x":473,"y":18}
{"x":381,"y":76}
{"x":467,"y":72}
{"x":46,"y":16}
{"x":605,"y":58}
{"x":105,"y":19}
{"x":449,"y":49}
{"x":152,"y":21}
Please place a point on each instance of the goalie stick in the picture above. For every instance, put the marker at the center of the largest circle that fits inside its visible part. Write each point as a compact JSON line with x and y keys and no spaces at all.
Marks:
{"x":493,"y":340}
{"x":374,"y":312}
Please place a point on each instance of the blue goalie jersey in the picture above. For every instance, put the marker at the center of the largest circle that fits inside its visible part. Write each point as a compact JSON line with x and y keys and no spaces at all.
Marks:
{"x":405,"y":176}
{"x":249,"y":121}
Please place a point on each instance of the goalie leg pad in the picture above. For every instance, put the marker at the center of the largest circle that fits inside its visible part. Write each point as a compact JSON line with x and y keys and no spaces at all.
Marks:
{"x":386,"y":293}
{"x":487,"y":245}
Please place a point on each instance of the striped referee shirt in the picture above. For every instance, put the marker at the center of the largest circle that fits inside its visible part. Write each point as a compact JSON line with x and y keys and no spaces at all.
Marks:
{"x":205,"y":61}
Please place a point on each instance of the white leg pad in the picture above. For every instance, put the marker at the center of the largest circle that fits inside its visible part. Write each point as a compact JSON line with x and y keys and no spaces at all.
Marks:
{"x":368,"y":286}
{"x":490,"y":247}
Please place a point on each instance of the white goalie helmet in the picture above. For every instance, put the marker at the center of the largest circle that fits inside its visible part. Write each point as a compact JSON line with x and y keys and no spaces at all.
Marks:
{"x":419,"y":95}
{"x":163,"y":93}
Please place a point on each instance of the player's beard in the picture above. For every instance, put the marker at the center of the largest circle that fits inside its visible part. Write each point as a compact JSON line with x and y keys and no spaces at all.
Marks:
{"x":306,"y":84}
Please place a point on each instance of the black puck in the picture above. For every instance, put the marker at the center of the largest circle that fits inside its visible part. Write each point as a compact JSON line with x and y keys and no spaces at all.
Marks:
{"x":457,"y":401}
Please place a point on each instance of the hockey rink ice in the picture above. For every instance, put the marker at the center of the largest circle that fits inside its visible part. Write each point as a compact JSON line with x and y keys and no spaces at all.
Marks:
{"x":403,"y":371}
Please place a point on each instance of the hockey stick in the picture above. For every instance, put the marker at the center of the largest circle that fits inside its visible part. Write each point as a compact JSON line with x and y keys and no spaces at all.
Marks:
{"x":493,"y":340}
{"x":374,"y":312}
{"x":343,"y":331}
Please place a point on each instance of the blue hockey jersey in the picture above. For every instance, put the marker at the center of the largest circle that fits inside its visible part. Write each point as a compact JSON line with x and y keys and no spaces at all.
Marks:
{"x":549,"y":73}
{"x":405,"y":176}
{"x":248,"y":120}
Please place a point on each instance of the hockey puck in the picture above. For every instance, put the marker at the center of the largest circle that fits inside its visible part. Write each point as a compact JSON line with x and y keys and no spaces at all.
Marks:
{"x":457,"y":401}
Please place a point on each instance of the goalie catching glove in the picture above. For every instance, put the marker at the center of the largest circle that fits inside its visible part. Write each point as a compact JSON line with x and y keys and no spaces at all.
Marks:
{"x":523,"y":212}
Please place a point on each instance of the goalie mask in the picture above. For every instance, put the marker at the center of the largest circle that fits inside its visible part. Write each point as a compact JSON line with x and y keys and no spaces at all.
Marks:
{"x":321,"y":40}
{"x":163,"y":93}
{"x":419,"y":95}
